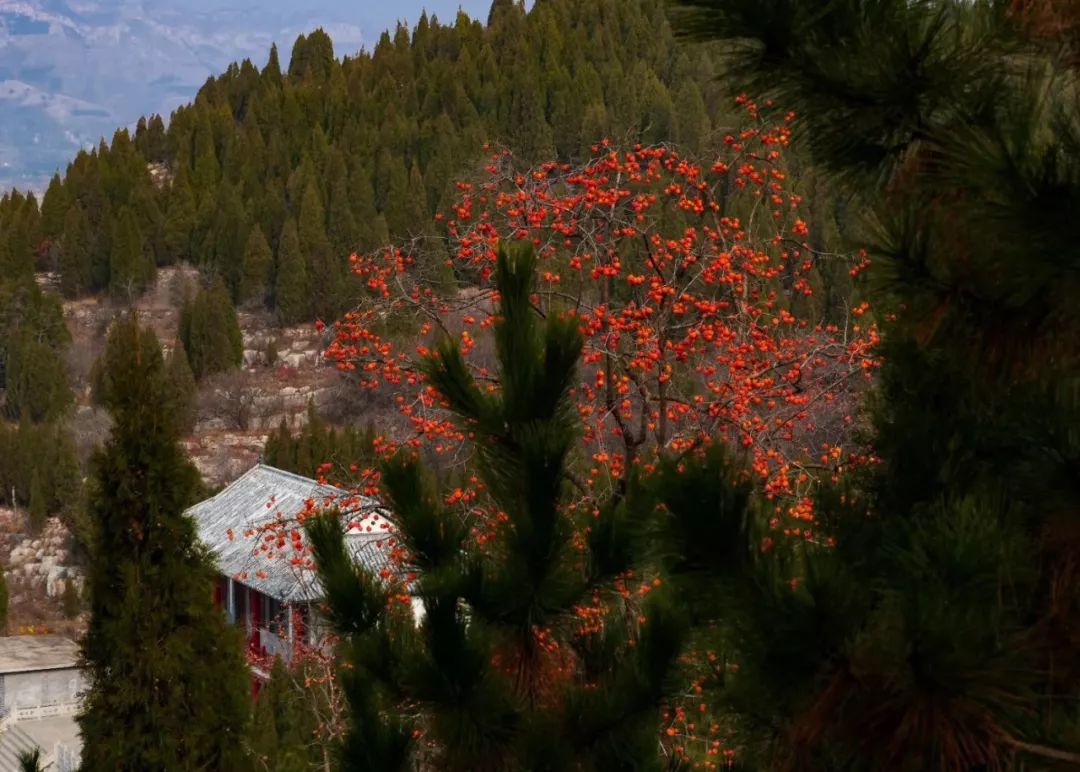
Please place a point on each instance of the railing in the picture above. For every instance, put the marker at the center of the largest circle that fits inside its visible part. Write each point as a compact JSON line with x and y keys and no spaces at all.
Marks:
{"x":273,"y":645}
{"x":66,"y":760}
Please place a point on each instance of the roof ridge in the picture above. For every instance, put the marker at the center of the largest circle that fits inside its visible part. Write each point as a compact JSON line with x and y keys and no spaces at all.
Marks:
{"x":287,"y":473}
{"x":223,"y":489}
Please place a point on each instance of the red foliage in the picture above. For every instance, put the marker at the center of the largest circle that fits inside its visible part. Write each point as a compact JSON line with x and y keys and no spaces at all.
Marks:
{"x":691,"y":283}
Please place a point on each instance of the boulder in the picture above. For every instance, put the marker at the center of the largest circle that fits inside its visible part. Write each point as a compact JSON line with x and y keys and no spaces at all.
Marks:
{"x":54,"y":584}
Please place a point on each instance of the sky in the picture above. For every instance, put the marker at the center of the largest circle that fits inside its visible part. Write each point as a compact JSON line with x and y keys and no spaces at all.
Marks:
{"x":372,"y":15}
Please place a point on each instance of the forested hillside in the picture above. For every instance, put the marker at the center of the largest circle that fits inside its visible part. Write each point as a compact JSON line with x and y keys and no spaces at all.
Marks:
{"x":270,"y":178}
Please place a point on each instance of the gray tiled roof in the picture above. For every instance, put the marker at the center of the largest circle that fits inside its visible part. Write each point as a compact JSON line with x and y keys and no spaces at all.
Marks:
{"x":26,"y":653}
{"x":262,"y":495}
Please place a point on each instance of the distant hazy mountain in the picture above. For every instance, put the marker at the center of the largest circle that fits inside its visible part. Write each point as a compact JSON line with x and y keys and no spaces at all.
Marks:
{"x":72,"y":71}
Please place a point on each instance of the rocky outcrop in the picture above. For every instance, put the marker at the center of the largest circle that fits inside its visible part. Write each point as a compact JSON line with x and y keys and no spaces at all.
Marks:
{"x":40,"y":562}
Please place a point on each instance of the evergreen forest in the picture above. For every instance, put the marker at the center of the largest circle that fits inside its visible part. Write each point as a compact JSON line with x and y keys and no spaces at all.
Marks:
{"x":717,"y":390}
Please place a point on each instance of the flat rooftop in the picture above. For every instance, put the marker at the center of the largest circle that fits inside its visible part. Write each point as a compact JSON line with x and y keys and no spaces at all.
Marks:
{"x":27,"y":653}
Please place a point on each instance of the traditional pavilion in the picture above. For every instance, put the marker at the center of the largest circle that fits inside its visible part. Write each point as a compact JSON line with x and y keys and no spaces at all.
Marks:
{"x":260,"y":585}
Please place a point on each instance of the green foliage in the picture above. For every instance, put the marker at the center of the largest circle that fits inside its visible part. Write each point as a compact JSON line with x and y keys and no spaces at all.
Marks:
{"x":257,"y":270}
{"x":180,"y":703}
{"x":292,"y":287}
{"x":32,"y":340}
{"x":325,"y":267}
{"x":283,"y":731}
{"x":381,"y":136}
{"x":35,"y":378}
{"x":76,"y":260}
{"x":932,"y":635}
{"x":271,"y":353}
{"x":3,"y":601}
{"x":37,"y":510}
{"x":42,"y":452}
{"x":54,"y":209}
{"x":131,"y":266}
{"x":179,"y":222}
{"x":497,"y":676}
{"x":181,"y":388}
{"x":30,"y":761}
{"x":210,"y":332}
{"x":70,"y":600}
{"x":320,"y":443}
{"x":20,"y":235}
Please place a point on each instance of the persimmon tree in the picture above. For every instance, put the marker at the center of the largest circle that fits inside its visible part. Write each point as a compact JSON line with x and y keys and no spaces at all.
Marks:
{"x":693,"y":286}
{"x":554,"y":642}
{"x":693,"y":290}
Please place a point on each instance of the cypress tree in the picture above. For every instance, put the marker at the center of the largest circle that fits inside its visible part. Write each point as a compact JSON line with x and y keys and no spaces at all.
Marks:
{"x":181,"y":387}
{"x":130,"y":268}
{"x":284,"y":728}
{"x":3,"y":601}
{"x":144,"y":202}
{"x":36,"y":381}
{"x":64,"y":475}
{"x":38,"y":509}
{"x":76,"y":261}
{"x":324,"y":268}
{"x":54,"y":208}
{"x":271,"y":73}
{"x":166,"y":673}
{"x":210,"y":332}
{"x":292,"y":290}
{"x":18,"y":253}
{"x":342,"y":229}
{"x":258,"y":268}
{"x":692,"y":120}
{"x":70,"y":600}
{"x":226,"y":240}
{"x":206,"y":170}
{"x":406,"y":201}
{"x":179,"y":222}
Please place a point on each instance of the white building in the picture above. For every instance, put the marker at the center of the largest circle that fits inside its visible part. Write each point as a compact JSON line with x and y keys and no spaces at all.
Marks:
{"x":40,"y":691}
{"x":274,"y":599}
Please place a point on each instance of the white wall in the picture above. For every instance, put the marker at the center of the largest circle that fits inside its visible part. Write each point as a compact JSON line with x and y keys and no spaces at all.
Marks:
{"x":43,"y":692}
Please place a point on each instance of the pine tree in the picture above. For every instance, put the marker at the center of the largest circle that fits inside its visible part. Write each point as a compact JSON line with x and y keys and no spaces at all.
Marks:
{"x":951,"y":611}
{"x":258,"y":268}
{"x":292,"y":290}
{"x":488,"y":677}
{"x":167,"y":680}
{"x":30,"y":761}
